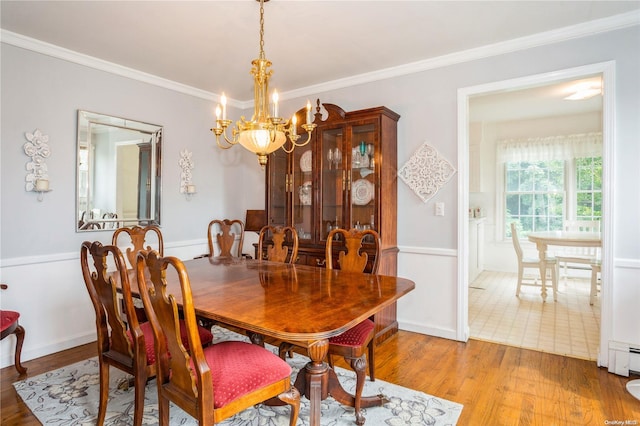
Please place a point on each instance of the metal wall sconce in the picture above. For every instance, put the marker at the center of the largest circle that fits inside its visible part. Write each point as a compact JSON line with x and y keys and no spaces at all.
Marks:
{"x":186,"y":185}
{"x":37,"y":148}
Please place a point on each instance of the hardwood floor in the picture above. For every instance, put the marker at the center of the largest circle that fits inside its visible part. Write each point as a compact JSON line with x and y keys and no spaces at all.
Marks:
{"x":497,"y":384}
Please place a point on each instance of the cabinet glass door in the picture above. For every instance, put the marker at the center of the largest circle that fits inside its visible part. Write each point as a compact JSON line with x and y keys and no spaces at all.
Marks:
{"x":302,"y":188}
{"x":278,"y":188}
{"x":333,"y":180}
{"x":363,"y":150}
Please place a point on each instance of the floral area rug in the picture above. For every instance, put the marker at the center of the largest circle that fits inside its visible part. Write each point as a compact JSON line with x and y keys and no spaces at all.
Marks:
{"x":69,"y":396}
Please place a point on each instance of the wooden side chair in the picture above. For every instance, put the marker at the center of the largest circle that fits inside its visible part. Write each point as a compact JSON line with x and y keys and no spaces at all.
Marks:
{"x":213,"y":383}
{"x":127,"y":346}
{"x":124,"y":346}
{"x":359,"y":340}
{"x":532,"y":263}
{"x":137,"y":236}
{"x":352,"y":343}
{"x":278,"y":251}
{"x":131,"y":244}
{"x":110,"y":224}
{"x":223,"y":233}
{"x":9,"y":325}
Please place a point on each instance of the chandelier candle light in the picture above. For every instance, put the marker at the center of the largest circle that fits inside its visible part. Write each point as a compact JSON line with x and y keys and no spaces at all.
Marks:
{"x":264,"y":133}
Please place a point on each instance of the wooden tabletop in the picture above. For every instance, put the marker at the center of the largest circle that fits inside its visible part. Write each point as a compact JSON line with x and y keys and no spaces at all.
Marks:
{"x":296,"y":303}
{"x":288,"y":302}
{"x":567,"y":238}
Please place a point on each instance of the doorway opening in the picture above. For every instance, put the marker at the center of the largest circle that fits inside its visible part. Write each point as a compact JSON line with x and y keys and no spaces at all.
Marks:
{"x":516,"y":109}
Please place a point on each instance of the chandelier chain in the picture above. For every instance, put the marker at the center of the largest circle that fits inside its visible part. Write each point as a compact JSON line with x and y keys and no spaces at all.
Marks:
{"x":261,"y":29}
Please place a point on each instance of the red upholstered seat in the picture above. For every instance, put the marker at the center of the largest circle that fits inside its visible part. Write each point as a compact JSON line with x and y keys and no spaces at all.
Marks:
{"x":234,"y":375}
{"x":355,"y":336}
{"x":8,"y":318}
{"x":205,"y":337}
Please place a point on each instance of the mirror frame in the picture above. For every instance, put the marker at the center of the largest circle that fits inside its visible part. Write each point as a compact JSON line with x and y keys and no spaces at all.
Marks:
{"x":154,"y":132}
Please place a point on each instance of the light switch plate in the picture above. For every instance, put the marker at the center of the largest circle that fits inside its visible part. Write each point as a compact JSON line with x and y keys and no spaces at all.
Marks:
{"x":440,"y":208}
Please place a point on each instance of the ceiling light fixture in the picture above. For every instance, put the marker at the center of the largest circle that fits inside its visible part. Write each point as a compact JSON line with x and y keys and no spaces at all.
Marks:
{"x":583,"y":91}
{"x":264,"y":133}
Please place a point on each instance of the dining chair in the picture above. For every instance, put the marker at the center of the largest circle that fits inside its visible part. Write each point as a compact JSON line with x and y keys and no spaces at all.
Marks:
{"x":532,"y":263}
{"x":9,"y":325}
{"x":213,"y":383}
{"x":578,"y":257}
{"x":135,"y":241}
{"x":276,"y":250}
{"x":359,"y":340}
{"x":123,"y":343}
{"x":228,"y":235}
{"x":110,"y":224}
{"x":131,"y":243}
{"x":127,"y":347}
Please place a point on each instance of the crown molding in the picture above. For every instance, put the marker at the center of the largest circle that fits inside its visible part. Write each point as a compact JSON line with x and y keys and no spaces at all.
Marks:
{"x":612,"y":23}
{"x":58,"y":52}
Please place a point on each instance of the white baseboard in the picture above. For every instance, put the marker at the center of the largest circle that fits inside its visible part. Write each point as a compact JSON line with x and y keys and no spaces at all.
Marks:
{"x":40,"y":351}
{"x":430,"y":331}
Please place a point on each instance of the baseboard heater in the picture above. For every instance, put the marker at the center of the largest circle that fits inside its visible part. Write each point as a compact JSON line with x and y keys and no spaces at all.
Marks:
{"x":624,"y":358}
{"x":634,"y":361}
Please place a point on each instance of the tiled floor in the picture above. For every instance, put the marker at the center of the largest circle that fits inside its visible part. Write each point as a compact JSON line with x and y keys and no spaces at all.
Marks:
{"x":569,"y":327}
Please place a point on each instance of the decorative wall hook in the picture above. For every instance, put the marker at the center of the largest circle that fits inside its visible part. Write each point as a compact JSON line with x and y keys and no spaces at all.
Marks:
{"x":186,"y":185}
{"x":37,"y":148}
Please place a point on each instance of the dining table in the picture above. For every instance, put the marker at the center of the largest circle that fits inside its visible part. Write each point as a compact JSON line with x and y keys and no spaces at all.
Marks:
{"x":301,"y":304}
{"x":544,"y":239}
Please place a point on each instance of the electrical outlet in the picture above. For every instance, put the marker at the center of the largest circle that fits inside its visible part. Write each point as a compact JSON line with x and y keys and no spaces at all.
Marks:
{"x":440,"y":208}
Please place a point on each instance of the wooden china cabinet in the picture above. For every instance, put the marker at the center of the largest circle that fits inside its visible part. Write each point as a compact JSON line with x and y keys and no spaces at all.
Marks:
{"x":345,"y":177}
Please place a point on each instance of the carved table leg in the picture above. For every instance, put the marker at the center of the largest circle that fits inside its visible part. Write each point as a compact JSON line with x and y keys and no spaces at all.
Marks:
{"x":312,"y":381}
{"x":317,"y":381}
{"x":339,"y":394}
{"x":542,"y":253}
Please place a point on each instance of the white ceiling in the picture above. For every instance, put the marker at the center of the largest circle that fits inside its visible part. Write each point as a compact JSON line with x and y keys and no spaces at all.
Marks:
{"x":534,"y":102}
{"x":209,"y":45}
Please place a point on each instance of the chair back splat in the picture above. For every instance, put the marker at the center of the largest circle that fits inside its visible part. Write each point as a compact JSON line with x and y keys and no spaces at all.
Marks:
{"x":278,"y":250}
{"x":137,"y":237}
{"x":580,"y":258}
{"x":223,"y":233}
{"x":213,"y":383}
{"x":355,"y":258}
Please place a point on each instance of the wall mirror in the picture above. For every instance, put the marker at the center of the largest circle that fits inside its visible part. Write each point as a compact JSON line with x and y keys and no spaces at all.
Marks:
{"x":118,"y":172}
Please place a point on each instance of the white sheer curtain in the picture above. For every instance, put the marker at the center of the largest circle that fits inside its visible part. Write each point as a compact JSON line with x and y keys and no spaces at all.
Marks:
{"x":565,"y":147}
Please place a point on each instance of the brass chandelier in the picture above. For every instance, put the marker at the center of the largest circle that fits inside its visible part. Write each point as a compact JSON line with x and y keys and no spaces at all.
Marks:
{"x":264,"y":133}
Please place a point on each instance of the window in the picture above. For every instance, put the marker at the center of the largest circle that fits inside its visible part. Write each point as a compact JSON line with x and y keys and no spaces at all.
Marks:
{"x":537,"y":197}
{"x":534,"y":195}
{"x":550,"y":180}
{"x":588,"y":199}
